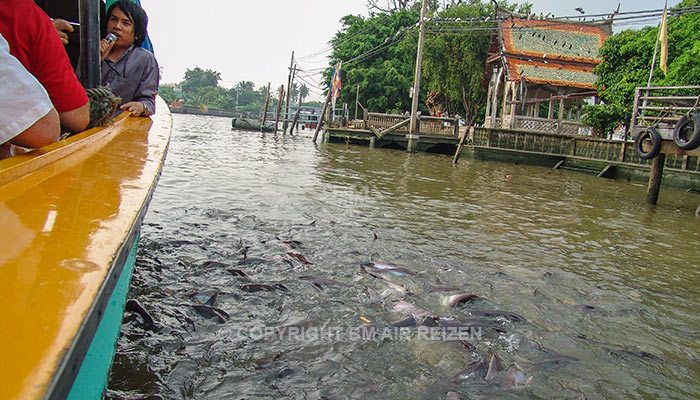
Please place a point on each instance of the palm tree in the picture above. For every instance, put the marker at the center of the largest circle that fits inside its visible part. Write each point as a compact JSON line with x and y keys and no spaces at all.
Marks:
{"x":303,"y":92}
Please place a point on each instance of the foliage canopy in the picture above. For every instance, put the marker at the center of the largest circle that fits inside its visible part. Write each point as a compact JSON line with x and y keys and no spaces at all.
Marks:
{"x":627,"y":58}
{"x":379,"y":54}
{"x":202,"y":87}
{"x":386,"y":75}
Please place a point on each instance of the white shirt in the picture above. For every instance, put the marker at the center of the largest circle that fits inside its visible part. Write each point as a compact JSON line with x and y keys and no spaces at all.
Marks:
{"x":23,"y":100}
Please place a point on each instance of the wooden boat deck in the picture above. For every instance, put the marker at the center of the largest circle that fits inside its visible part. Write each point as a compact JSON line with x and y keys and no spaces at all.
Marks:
{"x":69,"y":211}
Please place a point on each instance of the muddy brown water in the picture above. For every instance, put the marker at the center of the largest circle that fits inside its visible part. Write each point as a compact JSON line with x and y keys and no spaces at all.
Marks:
{"x":278,"y":228}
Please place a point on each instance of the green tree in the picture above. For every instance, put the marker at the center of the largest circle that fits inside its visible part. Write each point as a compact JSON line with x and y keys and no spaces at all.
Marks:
{"x":303,"y":92}
{"x":454,"y":59}
{"x":294,"y":95}
{"x":627,"y":60}
{"x":604,"y":118}
{"x":247,"y":94}
{"x":198,"y":78}
{"x":380,"y":55}
{"x":167,"y":93}
{"x":384,"y":73}
{"x":454,"y":62}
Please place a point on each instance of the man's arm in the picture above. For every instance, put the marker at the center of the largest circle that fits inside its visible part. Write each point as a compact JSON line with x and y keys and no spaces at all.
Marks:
{"x":28,"y":118}
{"x":146,"y":93}
{"x":49,"y":63}
{"x":44,"y":131}
{"x":75,"y":120}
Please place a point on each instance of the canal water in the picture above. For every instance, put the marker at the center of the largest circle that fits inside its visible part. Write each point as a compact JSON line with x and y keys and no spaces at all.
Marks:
{"x":275,"y":268}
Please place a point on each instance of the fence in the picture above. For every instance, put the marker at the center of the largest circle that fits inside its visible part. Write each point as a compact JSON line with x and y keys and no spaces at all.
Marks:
{"x":427,"y":125}
{"x":564,"y":126}
{"x":662,"y":107}
{"x":573,"y":145}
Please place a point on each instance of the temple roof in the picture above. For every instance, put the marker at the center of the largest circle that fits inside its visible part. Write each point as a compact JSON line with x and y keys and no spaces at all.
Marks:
{"x":551,"y":52}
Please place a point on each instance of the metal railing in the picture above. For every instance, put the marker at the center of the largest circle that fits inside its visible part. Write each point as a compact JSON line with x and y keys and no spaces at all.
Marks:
{"x":427,"y":125}
{"x":565,"y":126}
{"x":661,"y":107}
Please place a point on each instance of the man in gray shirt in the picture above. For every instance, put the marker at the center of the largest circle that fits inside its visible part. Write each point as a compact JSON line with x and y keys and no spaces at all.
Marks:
{"x":130,"y":71}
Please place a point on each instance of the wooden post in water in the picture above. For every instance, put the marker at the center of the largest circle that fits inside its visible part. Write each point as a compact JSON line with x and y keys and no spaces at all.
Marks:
{"x":289,"y":91}
{"x":459,"y":148}
{"x":267,"y":102}
{"x":322,"y":117}
{"x":294,"y":122}
{"x":296,"y":117}
{"x":657,"y":170}
{"x":279,"y":107}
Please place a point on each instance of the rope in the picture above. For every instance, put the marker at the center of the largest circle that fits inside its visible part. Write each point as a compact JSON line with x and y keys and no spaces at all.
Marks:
{"x":103,"y":104}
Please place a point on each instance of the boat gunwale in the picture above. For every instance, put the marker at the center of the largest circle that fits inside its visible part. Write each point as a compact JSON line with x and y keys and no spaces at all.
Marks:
{"x":39,"y":165}
{"x":21,"y":165}
{"x":69,"y":364}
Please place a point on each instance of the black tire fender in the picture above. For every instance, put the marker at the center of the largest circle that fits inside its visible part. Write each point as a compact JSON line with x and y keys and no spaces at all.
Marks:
{"x":689,"y":123}
{"x":648,"y":134}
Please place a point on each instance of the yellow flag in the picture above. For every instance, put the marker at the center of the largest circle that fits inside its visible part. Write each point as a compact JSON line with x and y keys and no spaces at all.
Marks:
{"x":663,"y":39}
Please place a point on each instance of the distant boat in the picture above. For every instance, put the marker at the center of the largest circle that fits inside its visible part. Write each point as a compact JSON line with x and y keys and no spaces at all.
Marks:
{"x":252,"y":125}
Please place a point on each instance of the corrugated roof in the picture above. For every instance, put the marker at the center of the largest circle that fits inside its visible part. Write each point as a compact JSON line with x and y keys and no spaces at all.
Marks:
{"x":554,"y":52}
{"x":552,"y":73}
{"x":553,"y":39}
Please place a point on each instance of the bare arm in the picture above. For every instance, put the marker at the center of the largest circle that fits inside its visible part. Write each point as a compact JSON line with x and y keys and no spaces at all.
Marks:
{"x":61,"y":26}
{"x":44,"y":131}
{"x":137,"y":108}
{"x":76,"y":120}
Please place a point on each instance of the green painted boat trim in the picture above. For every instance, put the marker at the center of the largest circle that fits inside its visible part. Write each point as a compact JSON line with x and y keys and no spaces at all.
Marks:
{"x":94,"y":371}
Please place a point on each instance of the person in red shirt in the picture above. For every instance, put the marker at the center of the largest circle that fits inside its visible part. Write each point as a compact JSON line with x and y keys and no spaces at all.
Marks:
{"x":28,"y":118}
{"x":34,"y":42}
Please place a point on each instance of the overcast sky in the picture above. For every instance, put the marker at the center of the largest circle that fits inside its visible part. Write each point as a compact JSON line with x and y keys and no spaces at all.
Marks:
{"x":253,"y":40}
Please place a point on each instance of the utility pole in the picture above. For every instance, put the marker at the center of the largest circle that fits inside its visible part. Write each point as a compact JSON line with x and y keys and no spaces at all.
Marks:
{"x":357,"y":99}
{"x":236,"y":107}
{"x":289,"y":91}
{"x":412,"y":137}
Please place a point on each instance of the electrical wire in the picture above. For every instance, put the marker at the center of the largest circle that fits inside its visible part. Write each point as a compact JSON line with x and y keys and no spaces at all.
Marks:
{"x":344,"y":40}
{"x":434,"y":26}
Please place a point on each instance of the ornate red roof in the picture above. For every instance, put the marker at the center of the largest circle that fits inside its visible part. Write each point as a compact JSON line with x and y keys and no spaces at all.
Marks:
{"x":552,"y":52}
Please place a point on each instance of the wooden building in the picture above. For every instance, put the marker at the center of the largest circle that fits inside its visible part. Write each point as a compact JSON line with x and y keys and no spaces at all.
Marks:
{"x":541,"y":72}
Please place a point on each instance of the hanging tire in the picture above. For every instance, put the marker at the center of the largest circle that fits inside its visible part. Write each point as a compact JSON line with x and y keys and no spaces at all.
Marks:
{"x":649,"y":134}
{"x":686,"y":134}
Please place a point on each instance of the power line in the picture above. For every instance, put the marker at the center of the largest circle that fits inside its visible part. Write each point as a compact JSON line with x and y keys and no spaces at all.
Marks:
{"x":631,"y":17}
{"x":397,"y":37}
{"x":346,"y":38}
{"x":641,"y":15}
{"x":553,"y":22}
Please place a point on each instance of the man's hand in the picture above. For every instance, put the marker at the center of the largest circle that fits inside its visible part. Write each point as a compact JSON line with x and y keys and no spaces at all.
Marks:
{"x":61,"y":26}
{"x":136,"y":107}
{"x":105,"y":48}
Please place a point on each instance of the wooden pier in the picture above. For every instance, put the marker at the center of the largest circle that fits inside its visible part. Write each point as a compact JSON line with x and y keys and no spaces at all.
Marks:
{"x":606,"y":158}
{"x":391,"y":131}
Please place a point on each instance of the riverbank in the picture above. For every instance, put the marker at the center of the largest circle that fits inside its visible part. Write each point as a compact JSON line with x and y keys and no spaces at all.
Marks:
{"x":608,"y":158}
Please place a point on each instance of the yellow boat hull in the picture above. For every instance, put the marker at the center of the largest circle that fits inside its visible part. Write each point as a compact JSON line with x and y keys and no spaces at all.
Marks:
{"x":68,"y":211}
